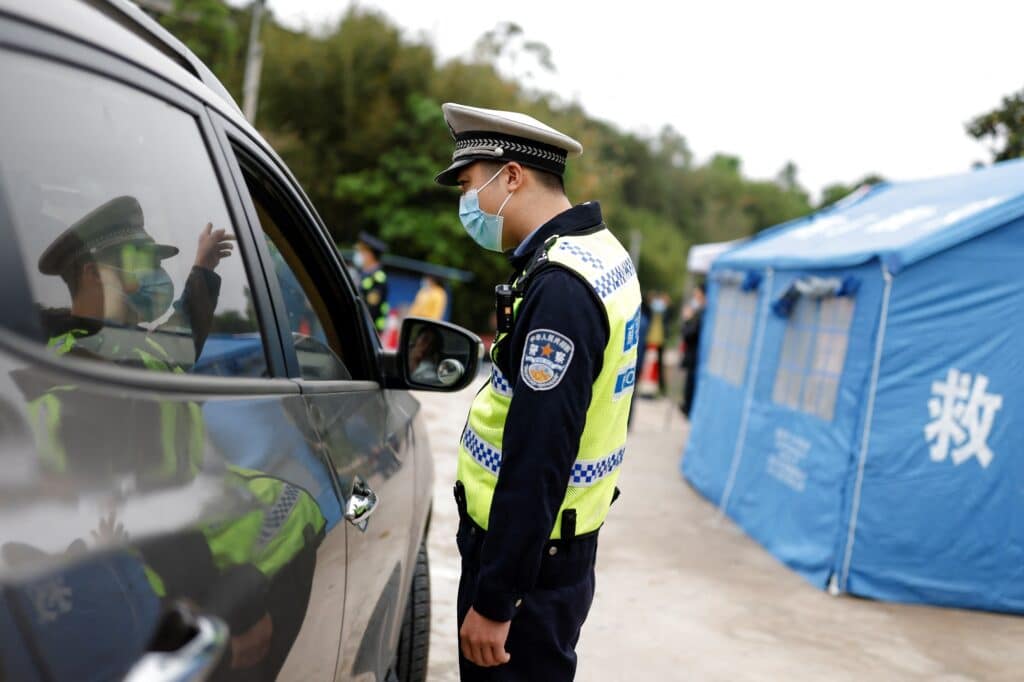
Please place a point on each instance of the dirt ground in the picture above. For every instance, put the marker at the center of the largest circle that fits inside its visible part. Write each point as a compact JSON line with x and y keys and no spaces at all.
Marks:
{"x":683,"y":594}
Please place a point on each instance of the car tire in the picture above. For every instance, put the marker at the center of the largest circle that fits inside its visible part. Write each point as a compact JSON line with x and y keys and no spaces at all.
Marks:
{"x":414,"y":643}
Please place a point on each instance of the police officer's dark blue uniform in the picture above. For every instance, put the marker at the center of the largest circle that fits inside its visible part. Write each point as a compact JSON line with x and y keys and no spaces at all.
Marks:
{"x":513,"y":571}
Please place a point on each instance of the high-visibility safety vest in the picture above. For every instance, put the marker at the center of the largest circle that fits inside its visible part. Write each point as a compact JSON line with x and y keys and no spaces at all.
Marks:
{"x":288,"y":521}
{"x":599,"y":259}
{"x":375,"y":292}
{"x":181,"y":459}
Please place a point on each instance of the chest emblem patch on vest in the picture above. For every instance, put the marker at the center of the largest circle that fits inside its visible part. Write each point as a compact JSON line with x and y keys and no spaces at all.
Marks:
{"x":546,"y":356}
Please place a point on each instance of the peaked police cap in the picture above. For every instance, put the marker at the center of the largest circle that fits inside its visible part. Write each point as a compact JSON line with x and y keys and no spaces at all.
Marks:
{"x":492,"y":135}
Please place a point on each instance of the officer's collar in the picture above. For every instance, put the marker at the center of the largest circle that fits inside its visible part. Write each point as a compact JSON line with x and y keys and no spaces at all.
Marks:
{"x":579,"y":218}
{"x":58,"y":321}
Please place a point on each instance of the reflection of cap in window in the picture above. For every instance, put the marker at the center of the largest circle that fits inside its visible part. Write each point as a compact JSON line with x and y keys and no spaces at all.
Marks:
{"x":117,"y":223}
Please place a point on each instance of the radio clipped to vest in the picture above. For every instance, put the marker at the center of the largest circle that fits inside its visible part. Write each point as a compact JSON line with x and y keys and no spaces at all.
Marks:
{"x":503,"y":301}
{"x":505,"y":295}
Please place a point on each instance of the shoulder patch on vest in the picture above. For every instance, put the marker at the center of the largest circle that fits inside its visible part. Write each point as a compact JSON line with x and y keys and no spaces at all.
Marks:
{"x":625,"y":381}
{"x":546,"y":356}
{"x":632,"y":332}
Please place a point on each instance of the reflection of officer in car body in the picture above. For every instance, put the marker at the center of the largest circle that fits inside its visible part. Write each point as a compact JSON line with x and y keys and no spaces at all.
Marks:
{"x":540,"y":453}
{"x":112,"y":269}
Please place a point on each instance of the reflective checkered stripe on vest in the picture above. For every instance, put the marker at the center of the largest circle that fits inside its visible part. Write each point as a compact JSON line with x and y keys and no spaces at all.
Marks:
{"x":269,"y":537}
{"x":600,"y":260}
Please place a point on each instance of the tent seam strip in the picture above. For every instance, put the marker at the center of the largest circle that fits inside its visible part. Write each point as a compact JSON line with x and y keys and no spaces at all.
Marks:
{"x":742,"y":436}
{"x":866,"y":438}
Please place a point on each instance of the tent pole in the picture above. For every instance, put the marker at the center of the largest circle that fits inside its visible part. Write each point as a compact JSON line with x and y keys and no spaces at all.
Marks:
{"x":748,"y":402}
{"x":866,"y":436}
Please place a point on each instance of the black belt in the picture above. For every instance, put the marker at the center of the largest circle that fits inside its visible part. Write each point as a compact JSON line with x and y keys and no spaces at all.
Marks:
{"x":568,"y":534}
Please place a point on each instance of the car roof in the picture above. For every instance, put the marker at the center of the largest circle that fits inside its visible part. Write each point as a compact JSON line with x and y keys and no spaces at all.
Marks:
{"x":121,"y":28}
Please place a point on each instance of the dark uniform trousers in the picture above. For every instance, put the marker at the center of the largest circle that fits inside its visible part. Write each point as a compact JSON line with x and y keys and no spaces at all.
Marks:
{"x":543,"y":635}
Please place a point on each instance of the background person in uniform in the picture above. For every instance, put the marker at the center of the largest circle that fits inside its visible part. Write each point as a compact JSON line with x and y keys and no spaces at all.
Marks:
{"x":431,"y":300}
{"x":693,"y":318}
{"x":373,"y":281}
{"x":657,"y":332}
{"x":540,"y":453}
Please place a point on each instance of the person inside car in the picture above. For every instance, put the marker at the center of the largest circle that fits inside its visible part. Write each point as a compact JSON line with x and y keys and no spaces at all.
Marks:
{"x":424,"y":355}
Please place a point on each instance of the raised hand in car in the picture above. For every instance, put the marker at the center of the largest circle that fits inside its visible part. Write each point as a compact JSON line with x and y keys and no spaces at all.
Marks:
{"x":214,"y":246}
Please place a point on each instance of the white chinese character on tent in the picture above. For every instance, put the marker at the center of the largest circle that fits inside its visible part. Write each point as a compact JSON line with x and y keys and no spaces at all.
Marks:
{"x":962,"y":413}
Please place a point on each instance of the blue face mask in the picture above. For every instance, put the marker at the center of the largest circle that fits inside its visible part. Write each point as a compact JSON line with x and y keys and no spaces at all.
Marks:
{"x":484,"y":228}
{"x":154,"y":294}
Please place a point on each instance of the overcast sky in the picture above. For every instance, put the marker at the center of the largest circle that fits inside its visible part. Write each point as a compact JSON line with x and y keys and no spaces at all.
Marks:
{"x":842,"y":89}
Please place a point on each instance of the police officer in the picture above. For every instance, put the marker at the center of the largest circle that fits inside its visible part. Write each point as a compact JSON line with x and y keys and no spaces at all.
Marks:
{"x":539,"y":457}
{"x":373,"y":281}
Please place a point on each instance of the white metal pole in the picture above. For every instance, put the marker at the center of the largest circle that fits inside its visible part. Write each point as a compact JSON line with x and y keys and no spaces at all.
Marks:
{"x":253,"y":64}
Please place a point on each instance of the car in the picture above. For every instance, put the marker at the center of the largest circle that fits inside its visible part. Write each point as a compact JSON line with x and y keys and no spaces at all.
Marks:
{"x":209,"y":467}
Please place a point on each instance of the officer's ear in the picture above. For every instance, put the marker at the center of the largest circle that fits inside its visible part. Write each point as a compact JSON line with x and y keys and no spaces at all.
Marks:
{"x":516,"y":175}
{"x":89,"y":274}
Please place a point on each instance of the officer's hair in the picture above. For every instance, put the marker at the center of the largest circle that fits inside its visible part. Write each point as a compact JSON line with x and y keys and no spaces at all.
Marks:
{"x":72,"y":272}
{"x":549,"y":181}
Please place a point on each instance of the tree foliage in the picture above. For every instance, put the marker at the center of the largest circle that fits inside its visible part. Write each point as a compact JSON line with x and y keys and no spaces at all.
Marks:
{"x":355,"y":112}
{"x":1003,"y":127}
{"x":830,"y":194}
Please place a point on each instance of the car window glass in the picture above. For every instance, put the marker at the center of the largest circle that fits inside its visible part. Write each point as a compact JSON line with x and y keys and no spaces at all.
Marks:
{"x":313,"y":332}
{"x":122,"y":226}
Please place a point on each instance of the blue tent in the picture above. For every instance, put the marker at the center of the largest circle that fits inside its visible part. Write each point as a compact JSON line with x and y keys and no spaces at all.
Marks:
{"x":860,"y":401}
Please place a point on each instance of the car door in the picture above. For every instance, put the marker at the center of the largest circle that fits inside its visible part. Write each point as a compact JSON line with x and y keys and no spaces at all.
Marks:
{"x":166,"y":504}
{"x":366,"y":436}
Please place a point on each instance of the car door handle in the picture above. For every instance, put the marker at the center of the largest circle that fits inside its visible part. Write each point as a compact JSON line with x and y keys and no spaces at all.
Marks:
{"x":362,"y":501}
{"x":186,"y":648}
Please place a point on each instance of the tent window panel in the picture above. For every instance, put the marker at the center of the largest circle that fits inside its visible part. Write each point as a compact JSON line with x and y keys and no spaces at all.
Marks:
{"x":734,"y":325}
{"x":813,"y":354}
{"x":812,"y":389}
{"x":827,"y":407}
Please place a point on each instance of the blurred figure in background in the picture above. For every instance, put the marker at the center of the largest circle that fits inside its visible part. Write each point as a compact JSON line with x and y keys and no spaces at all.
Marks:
{"x":693,"y":318}
{"x":431,"y":300}
{"x":373,"y":281}
{"x":656,"y":334}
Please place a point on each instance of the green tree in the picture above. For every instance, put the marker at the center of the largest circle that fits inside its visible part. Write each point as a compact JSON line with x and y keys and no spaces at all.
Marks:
{"x":836,"y":191}
{"x":212,"y":31}
{"x":355,"y":112}
{"x":1003,"y":128}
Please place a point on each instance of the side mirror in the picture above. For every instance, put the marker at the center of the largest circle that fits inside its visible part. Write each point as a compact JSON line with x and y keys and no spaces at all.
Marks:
{"x":437,"y":356}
